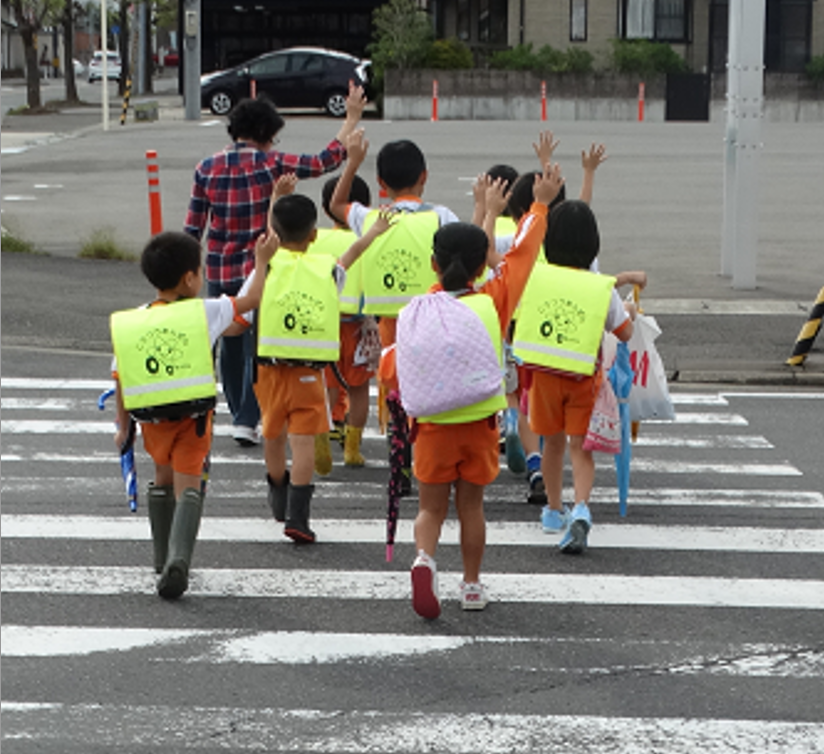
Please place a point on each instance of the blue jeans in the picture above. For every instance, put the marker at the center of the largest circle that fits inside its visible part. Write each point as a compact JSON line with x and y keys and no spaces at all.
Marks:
{"x":235,"y":366}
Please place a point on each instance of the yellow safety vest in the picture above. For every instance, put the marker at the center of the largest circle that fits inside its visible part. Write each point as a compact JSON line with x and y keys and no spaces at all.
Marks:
{"x":336,"y":242}
{"x":505,"y":226}
{"x":397,"y":266}
{"x":484,"y":307}
{"x":164,"y":355}
{"x":561,"y":323}
{"x":299,"y":316}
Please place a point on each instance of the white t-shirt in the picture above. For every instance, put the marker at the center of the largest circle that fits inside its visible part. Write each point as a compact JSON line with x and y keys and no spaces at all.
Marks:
{"x":356,"y":212}
{"x":220,"y":313}
{"x":616,"y":314}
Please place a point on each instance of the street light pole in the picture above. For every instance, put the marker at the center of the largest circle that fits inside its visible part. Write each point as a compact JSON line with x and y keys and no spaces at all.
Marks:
{"x":191,"y":62}
{"x":104,"y":33}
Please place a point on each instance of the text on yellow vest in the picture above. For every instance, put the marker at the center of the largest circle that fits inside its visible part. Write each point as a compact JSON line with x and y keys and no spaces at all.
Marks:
{"x":562,"y":316}
{"x":299,"y":316}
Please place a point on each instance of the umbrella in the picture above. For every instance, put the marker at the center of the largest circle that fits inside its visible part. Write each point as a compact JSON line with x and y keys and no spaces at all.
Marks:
{"x":127,"y":466}
{"x":621,"y":377}
{"x":398,"y":442}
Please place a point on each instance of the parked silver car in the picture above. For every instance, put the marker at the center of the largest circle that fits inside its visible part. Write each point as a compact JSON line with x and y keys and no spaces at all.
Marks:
{"x":113,"y":66}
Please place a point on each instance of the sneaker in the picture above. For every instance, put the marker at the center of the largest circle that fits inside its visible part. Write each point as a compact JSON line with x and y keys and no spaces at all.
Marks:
{"x":554,"y":520}
{"x":473,"y":596}
{"x":515,"y":457}
{"x":246,"y":437}
{"x":425,"y":600}
{"x":574,"y":540}
{"x":537,"y":490}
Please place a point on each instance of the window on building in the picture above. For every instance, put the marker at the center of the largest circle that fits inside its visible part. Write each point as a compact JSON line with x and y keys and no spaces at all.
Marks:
{"x":657,"y":20}
{"x":463,"y":25}
{"x":492,"y":18}
{"x":578,"y":20}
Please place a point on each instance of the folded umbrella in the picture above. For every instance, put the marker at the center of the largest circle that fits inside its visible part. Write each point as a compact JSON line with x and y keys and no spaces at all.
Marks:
{"x":398,"y":441}
{"x":621,"y":377}
{"x":127,"y":465}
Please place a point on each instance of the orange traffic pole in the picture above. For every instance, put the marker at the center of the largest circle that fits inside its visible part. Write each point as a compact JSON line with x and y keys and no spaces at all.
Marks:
{"x":253,"y":89}
{"x":543,"y":100}
{"x":641,"y":96}
{"x":434,"y":100}
{"x":153,"y":174}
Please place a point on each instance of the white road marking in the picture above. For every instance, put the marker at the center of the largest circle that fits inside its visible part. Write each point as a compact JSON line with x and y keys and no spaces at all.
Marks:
{"x":48,"y":185}
{"x":601,"y":589}
{"x":324,"y":731}
{"x":373,"y":531}
{"x":19,"y":198}
{"x":696,"y":417}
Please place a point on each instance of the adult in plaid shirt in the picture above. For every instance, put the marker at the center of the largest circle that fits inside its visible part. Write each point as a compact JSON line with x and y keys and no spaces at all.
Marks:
{"x":230,"y":200}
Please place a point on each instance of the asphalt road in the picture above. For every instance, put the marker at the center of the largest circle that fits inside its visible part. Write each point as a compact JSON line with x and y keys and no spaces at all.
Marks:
{"x":693,"y":623}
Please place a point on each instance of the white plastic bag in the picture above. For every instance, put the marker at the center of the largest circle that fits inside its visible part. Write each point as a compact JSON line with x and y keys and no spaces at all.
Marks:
{"x":649,"y":397}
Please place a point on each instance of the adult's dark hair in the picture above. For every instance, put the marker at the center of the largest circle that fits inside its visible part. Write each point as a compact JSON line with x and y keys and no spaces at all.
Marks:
{"x":358,"y":193}
{"x":508,"y":175}
{"x":572,"y":238}
{"x":254,"y":120}
{"x":168,"y":257}
{"x":522,"y":197}
{"x":294,"y":217}
{"x":400,"y":164}
{"x":459,"y":249}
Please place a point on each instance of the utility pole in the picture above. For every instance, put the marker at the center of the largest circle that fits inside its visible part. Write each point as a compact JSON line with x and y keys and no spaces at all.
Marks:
{"x":745,"y":111}
{"x":191,"y":58}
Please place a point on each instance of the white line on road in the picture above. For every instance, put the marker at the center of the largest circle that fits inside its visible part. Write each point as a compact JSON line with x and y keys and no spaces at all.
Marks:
{"x":160,"y":727}
{"x":373,"y":531}
{"x":597,"y":589}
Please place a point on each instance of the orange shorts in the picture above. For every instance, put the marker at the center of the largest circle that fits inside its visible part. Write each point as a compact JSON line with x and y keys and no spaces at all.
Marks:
{"x":387,"y":326}
{"x":354,"y":375}
{"x":446,"y":452}
{"x":176,"y":444}
{"x":560,"y":404}
{"x":291,"y":397}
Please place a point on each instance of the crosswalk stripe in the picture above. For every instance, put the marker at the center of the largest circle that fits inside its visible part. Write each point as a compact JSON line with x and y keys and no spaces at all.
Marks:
{"x":410,"y":732}
{"x":373,"y":531}
{"x":601,"y":589}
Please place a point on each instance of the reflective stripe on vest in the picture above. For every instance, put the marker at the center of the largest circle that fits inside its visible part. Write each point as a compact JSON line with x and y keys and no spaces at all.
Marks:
{"x":164,"y":354}
{"x":336,"y":242}
{"x":299,"y":316}
{"x":562,"y":318}
{"x":397,"y":265}
{"x":484,"y":307}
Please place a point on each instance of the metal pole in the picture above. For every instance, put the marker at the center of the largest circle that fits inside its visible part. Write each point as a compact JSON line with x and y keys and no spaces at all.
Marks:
{"x":731,"y":137}
{"x":191,"y":52}
{"x":104,"y":44}
{"x":141,"y":50}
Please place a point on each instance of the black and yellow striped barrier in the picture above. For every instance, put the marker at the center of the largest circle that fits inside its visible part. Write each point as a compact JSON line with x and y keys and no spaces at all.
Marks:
{"x":805,"y":339}
{"x":126,"y":94}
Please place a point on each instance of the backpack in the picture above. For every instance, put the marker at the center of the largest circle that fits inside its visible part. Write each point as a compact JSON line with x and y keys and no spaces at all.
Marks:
{"x":446,"y":359}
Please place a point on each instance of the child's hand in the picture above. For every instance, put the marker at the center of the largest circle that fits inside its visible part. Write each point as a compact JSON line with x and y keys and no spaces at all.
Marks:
{"x":355,"y":102}
{"x":479,"y":191}
{"x":548,"y":184}
{"x":120,"y":436}
{"x":285,"y":185}
{"x":496,"y":198}
{"x":356,"y":147}
{"x":265,"y":246}
{"x":385,"y":220}
{"x":631,"y":309}
{"x":592,"y":159}
{"x":545,"y":147}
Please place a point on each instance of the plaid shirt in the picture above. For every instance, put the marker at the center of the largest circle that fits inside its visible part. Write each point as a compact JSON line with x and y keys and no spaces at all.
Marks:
{"x":234,"y":187}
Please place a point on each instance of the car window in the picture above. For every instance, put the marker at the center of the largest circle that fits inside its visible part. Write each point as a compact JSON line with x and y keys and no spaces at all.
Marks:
{"x":305,"y":62}
{"x":268,"y":66}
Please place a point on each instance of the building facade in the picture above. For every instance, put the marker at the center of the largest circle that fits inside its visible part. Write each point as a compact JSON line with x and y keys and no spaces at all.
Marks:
{"x":696,"y":29}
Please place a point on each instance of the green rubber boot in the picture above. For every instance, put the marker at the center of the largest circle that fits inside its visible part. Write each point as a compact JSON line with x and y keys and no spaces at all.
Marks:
{"x":161,"y":502}
{"x":174,"y":580}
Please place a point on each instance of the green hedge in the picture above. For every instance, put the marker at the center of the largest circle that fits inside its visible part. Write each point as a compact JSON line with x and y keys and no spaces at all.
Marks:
{"x":645,"y":57}
{"x":546,"y":60}
{"x":815,"y":69}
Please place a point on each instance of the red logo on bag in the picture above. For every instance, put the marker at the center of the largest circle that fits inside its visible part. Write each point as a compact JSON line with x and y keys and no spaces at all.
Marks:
{"x":640,"y":367}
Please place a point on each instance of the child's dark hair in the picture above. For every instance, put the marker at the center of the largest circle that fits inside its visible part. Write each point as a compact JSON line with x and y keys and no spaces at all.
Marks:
{"x":400,"y":164}
{"x":572,"y":238}
{"x":508,"y":175}
{"x":255,"y":120}
{"x":294,"y":217}
{"x":522,"y":197}
{"x":460,"y":250}
{"x":358,"y":193}
{"x":168,"y":257}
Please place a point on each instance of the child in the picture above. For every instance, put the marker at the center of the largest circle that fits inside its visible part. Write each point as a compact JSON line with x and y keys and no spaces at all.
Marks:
{"x":298,"y":334}
{"x":568,"y":310}
{"x":349,"y":398}
{"x":397,"y":268}
{"x":460,"y":448}
{"x":156,"y":349}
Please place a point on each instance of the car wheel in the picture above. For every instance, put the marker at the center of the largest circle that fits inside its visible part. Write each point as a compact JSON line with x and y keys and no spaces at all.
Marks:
{"x":336,"y":103}
{"x":220,"y":102}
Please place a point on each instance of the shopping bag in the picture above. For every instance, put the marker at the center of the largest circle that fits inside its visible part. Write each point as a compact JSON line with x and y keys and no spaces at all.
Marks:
{"x":604,"y":431}
{"x":649,"y":397}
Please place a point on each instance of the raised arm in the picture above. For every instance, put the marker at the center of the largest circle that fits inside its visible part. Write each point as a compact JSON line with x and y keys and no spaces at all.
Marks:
{"x":355,"y":103}
{"x":479,"y":199}
{"x":265,"y":248}
{"x":356,"y":146}
{"x":495,"y":201}
{"x":385,"y":220}
{"x":546,"y":146}
{"x":590,"y":162}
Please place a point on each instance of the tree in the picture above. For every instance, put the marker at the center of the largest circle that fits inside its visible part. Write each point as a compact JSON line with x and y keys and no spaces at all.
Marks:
{"x":71,"y":10}
{"x":32,"y":16}
{"x":402,"y":37}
